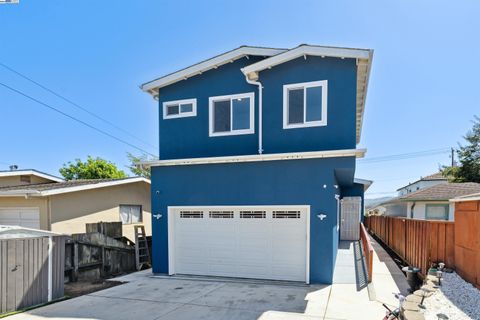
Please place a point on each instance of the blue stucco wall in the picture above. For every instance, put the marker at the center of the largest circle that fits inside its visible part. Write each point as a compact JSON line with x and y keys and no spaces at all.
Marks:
{"x":188,"y":137}
{"x":287,"y":182}
{"x":339,"y":133}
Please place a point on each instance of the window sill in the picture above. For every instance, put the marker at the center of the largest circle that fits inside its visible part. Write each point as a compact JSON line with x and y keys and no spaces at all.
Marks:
{"x":305,"y":125}
{"x":231,"y":133}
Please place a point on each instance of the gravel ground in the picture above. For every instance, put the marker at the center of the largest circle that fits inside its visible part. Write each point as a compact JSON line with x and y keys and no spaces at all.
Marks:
{"x":456,"y":298}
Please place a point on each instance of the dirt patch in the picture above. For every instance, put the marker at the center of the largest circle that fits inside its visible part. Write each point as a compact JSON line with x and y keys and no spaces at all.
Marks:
{"x":80,"y":288}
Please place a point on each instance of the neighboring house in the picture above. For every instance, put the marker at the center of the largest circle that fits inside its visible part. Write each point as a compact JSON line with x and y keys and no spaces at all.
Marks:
{"x":66,"y":206}
{"x":257,"y":147}
{"x":424,"y":182}
{"x":432,"y":203}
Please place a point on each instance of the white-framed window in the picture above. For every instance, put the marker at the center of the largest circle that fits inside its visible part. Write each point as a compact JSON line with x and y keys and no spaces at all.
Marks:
{"x":231,"y":114}
{"x":305,"y":104}
{"x":180,"y":108}
{"x":436,"y":211}
{"x":130,"y":213}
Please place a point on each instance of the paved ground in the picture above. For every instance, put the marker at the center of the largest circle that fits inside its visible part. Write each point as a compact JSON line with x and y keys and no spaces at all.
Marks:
{"x":147,"y":298}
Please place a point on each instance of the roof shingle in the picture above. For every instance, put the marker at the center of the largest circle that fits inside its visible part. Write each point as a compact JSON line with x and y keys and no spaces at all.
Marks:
{"x":444,"y":191}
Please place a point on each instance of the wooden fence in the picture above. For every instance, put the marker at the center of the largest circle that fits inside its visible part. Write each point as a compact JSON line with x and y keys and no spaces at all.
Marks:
{"x":418,"y":242}
{"x":367,"y":251}
{"x":467,"y":241}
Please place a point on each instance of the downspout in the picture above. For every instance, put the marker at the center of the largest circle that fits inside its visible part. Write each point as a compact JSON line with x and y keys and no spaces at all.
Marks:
{"x":412,"y":207}
{"x":260,"y":126}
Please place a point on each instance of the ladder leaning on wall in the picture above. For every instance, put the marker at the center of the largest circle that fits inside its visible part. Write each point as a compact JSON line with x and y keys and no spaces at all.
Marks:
{"x":142,"y":254}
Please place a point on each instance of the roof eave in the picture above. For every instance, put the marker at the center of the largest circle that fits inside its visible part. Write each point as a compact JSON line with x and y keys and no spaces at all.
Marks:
{"x":212,"y":63}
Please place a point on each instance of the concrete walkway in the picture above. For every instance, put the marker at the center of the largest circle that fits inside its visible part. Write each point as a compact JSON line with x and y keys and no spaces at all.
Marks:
{"x":149,"y":298}
{"x":350,"y":296}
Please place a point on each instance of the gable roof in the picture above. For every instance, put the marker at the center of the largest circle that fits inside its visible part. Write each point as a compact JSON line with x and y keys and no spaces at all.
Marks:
{"x":364,"y":62}
{"x":48,"y":189}
{"x":27,"y":172}
{"x":278,"y":56}
{"x":444,"y":192}
{"x":468,"y":197}
{"x":212,"y":63}
{"x":438,"y":176}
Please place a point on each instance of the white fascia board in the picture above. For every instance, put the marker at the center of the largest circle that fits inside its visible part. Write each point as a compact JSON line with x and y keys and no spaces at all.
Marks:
{"x":93,"y":186}
{"x":366,"y":183}
{"x":207,"y":65}
{"x":30,"y":173}
{"x":309,"y":51}
{"x":36,"y":193}
{"x":468,"y":197}
{"x":19,"y":193}
{"x":358,"y":153}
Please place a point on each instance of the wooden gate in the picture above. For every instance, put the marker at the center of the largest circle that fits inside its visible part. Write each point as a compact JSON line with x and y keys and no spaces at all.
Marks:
{"x":351,"y":208}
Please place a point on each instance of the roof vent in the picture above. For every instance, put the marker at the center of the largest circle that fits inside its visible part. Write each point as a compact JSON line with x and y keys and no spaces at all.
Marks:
{"x":13,"y":167}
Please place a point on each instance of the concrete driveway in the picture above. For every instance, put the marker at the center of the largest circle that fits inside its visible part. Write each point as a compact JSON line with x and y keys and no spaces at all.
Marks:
{"x":145,"y":298}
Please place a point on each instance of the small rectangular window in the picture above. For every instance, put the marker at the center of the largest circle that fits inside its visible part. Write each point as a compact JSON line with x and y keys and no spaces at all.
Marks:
{"x":232,"y":114}
{"x":191,"y":214}
{"x":130,"y":214}
{"x":286,"y":214}
{"x":253,"y":214}
{"x":180,"y":108}
{"x":221,"y":214}
{"x":436,"y":211}
{"x":305,"y":104}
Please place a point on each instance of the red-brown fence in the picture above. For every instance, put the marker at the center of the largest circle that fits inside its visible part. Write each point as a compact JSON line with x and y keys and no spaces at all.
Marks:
{"x":367,"y":251}
{"x":467,"y":241}
{"x":419,"y":242}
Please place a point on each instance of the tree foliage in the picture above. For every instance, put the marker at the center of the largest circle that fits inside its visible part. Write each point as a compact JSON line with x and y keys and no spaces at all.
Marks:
{"x":134,"y":168}
{"x":468,"y":156}
{"x":93,"y":168}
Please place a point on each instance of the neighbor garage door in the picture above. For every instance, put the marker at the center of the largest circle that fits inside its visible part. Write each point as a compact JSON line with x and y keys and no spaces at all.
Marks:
{"x":245,"y":242}
{"x":27,"y":217}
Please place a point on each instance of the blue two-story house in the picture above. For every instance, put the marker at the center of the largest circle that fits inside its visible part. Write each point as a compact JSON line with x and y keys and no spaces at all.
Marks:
{"x":257,"y":149}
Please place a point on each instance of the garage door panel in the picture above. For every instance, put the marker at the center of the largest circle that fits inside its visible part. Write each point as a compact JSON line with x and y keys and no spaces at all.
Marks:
{"x":28,"y":217}
{"x":244,"y":242}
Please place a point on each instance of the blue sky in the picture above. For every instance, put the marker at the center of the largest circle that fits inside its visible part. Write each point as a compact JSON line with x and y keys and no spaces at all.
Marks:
{"x":423,"y":89}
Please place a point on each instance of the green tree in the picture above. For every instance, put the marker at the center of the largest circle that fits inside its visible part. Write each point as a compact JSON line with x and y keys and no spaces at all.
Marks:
{"x":134,"y":168}
{"x":93,"y":168}
{"x":468,"y":156}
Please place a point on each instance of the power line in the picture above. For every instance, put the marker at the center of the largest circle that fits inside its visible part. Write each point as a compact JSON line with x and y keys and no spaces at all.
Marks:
{"x":75,"y":119}
{"x":76,"y":104}
{"x":404,"y":156}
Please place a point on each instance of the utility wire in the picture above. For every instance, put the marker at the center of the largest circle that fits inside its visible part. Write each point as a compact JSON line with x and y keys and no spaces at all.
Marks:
{"x":404,"y":156}
{"x":75,"y":104}
{"x":75,"y":119}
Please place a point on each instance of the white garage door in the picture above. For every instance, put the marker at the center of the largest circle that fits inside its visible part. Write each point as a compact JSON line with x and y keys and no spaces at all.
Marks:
{"x":245,"y":242}
{"x":28,"y":217}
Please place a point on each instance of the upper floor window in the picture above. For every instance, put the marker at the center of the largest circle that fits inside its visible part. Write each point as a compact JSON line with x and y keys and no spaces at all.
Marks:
{"x":231,"y":115}
{"x":305,"y":104}
{"x":180,"y":108}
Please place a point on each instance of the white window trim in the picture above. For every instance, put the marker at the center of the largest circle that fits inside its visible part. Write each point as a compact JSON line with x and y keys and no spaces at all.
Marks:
{"x":232,"y":132}
{"x":324,"y":85}
{"x":180,"y":114}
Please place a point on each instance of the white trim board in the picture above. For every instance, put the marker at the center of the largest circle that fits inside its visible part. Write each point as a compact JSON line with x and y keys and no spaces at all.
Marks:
{"x":171,"y":230}
{"x":358,"y":153}
{"x":35,"y":193}
{"x":307,"y":50}
{"x":212,"y":63}
{"x":14,"y":173}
